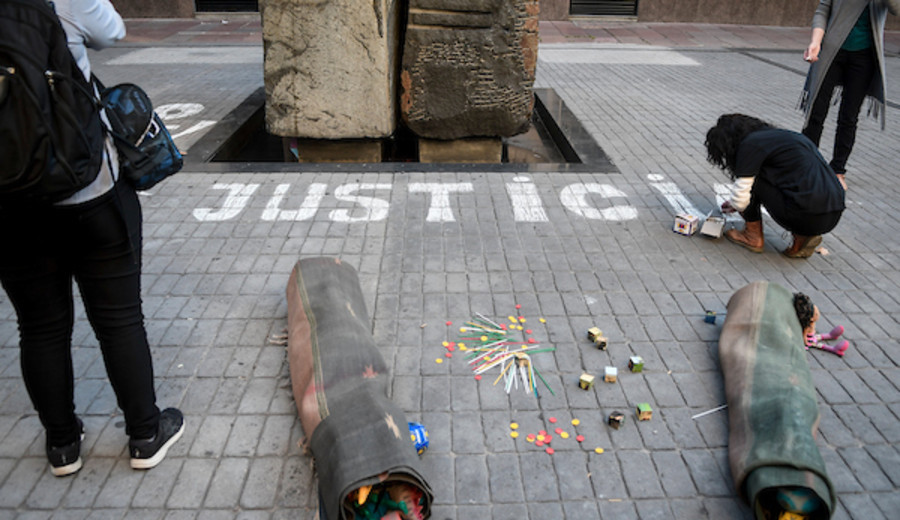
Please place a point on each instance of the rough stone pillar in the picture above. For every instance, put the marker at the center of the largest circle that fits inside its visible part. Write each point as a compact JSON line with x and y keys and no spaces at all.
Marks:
{"x":330,"y":67}
{"x":468,"y":67}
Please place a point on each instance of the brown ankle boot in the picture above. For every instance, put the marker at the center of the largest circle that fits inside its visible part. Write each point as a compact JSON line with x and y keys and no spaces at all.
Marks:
{"x":751,"y":237}
{"x":803,"y":247}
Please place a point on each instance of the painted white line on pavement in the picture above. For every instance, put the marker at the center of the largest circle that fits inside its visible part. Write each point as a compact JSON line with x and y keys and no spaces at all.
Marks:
{"x":190,"y":56}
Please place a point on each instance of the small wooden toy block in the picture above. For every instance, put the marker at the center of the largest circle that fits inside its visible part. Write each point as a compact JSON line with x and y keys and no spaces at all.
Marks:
{"x":616,"y":420}
{"x":644,"y":412}
{"x":610,"y":374}
{"x":596,"y":335}
{"x":636,"y":364}
{"x":686,"y":224}
{"x":712,"y":227}
{"x":586,"y":381}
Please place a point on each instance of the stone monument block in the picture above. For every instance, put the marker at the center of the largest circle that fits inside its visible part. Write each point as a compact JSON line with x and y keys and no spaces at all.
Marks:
{"x":330,"y":67}
{"x":468,"y":67}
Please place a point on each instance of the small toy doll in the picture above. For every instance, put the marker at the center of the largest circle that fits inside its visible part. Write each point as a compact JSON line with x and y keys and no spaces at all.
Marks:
{"x":808,"y":314}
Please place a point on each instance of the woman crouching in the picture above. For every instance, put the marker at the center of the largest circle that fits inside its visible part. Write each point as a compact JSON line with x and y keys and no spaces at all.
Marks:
{"x":781,"y":170}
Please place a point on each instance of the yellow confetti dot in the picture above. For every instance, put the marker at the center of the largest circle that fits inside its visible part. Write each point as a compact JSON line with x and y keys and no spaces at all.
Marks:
{"x":439,"y":361}
{"x":575,"y":422}
{"x":514,"y":426}
{"x":462,"y":329}
{"x":564,"y":435}
{"x":513,"y":434}
{"x":412,"y":438}
{"x":598,"y":450}
{"x":512,"y":319}
{"x":540,"y":438}
{"x":483,"y":338}
{"x":520,"y":327}
{"x":542,"y":320}
{"x":463,"y":347}
{"x":446,"y":343}
{"x":522,"y":320}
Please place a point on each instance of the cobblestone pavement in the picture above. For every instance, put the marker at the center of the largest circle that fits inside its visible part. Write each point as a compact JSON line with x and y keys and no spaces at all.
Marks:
{"x":576,"y":246}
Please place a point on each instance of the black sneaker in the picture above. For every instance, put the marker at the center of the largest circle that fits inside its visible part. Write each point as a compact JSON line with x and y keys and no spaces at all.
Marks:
{"x":147,"y":453}
{"x":66,"y":460}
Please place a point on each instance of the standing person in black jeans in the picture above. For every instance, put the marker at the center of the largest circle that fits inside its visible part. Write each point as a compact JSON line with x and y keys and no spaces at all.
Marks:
{"x":846,"y":50}
{"x":93,"y":238}
{"x":781,"y":170}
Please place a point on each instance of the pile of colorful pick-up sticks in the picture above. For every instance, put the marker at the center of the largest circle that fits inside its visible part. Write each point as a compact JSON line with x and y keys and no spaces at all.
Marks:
{"x":495,"y":347}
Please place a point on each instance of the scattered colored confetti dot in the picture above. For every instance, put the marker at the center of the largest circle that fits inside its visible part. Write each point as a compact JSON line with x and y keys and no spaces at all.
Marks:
{"x":558,"y":430}
{"x":484,"y":338}
{"x":542,"y":320}
{"x":449,"y":354}
{"x":518,"y":306}
{"x":598,"y":450}
{"x":530,"y":437}
{"x":462,"y":329}
{"x":478,"y":377}
{"x":547,"y":439}
{"x":552,"y":419}
{"x":538,"y":443}
{"x":575,"y":422}
{"x":532,"y":340}
{"x":449,"y":323}
{"x":564,"y":435}
{"x":503,"y":326}
{"x":541,"y":437}
{"x":513,"y":434}
{"x":438,"y":361}
{"x":519,"y":327}
{"x":446,"y":343}
{"x":542,"y":432}
{"x":527,"y":331}
{"x":550,"y":451}
{"x":580,"y":438}
{"x":514,"y":426}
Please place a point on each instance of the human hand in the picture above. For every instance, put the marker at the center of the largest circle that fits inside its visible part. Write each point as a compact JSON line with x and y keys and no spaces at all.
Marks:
{"x":727,"y":207}
{"x":811,"y":54}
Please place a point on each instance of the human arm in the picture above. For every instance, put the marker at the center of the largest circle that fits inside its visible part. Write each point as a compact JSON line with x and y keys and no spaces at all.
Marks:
{"x":96,"y":21}
{"x":819,"y":23}
{"x":740,"y":195}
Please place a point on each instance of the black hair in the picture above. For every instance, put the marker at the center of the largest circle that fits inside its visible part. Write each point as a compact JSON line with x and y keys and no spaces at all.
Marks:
{"x":722,"y":140}
{"x":805,"y":309}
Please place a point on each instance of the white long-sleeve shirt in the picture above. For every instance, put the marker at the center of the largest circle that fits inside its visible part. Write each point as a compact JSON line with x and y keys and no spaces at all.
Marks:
{"x":740,"y":192}
{"x":95,"y":24}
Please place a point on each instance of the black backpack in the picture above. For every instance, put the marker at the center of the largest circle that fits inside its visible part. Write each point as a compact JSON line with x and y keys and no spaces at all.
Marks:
{"x":51,"y":136}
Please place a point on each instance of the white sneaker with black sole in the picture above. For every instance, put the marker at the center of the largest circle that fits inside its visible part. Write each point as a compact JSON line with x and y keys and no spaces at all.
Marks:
{"x":147,"y":453}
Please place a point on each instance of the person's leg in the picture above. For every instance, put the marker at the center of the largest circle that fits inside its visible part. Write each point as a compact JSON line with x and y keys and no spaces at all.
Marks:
{"x":820,"y":105}
{"x":35,"y":275}
{"x":109,"y":277}
{"x":858,"y":71}
{"x":39,"y":286}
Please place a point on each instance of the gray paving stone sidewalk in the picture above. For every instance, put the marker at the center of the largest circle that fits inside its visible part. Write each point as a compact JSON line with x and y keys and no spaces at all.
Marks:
{"x":581,"y":249}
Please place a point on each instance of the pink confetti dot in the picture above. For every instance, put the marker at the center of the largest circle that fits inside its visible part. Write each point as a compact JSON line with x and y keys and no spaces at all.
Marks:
{"x":580,"y":438}
{"x":552,"y":419}
{"x":550,"y":451}
{"x":558,"y":431}
{"x":518,"y":306}
{"x":449,"y":354}
{"x":478,"y":377}
{"x":542,"y":432}
{"x":538,"y":443}
{"x":449,"y":323}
